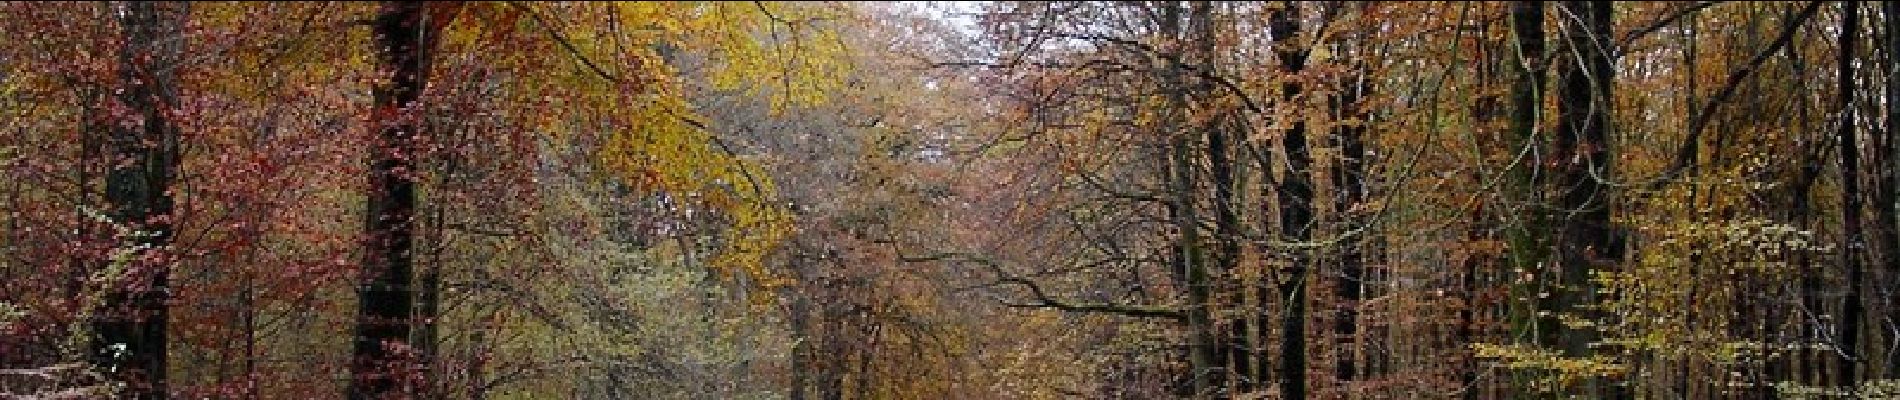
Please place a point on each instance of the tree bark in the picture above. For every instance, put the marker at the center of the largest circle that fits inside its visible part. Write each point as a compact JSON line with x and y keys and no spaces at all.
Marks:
{"x":1204,"y":351}
{"x":1295,"y":196}
{"x":1235,"y":352}
{"x":1529,"y":240}
{"x":1586,"y":240}
{"x":1350,"y":181}
{"x":1890,"y":192}
{"x":1227,"y":252}
{"x":131,"y":335}
{"x":1852,"y":310}
{"x":385,"y":295}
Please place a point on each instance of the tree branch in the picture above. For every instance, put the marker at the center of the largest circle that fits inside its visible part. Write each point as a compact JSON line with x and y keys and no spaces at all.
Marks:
{"x":1623,"y":44}
{"x":1042,"y":299}
{"x":565,"y":44}
{"x":1691,"y":143}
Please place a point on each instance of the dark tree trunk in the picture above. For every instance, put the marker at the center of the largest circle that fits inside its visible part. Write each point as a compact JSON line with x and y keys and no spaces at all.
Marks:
{"x":1803,"y":364}
{"x":1586,"y":240}
{"x":1295,"y":196}
{"x":806,"y":322}
{"x":1350,"y":182}
{"x":1234,"y":350}
{"x":1890,"y":192}
{"x":1852,"y":311}
{"x":1227,"y":252}
{"x":1349,"y":188}
{"x":1529,"y":239}
{"x":131,"y":330}
{"x":385,"y":295}
{"x":428,"y":336}
{"x":1204,"y":351}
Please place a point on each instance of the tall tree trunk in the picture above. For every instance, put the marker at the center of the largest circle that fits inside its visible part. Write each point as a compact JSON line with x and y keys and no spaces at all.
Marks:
{"x":1852,"y":311}
{"x":1227,"y":253}
{"x":1349,"y":195}
{"x":1529,"y":241}
{"x":1204,"y":351}
{"x":1890,"y":192}
{"x":1235,"y":352}
{"x":131,"y":333}
{"x":385,"y":297}
{"x":807,"y":320}
{"x":1205,"y":356}
{"x":1296,"y":205}
{"x":1803,"y":364}
{"x":428,"y":338}
{"x":1486,"y":112}
{"x":1350,"y":181}
{"x":1585,"y":242}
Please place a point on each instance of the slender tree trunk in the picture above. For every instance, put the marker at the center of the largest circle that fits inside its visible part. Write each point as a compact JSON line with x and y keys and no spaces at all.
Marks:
{"x":1227,"y":252}
{"x":1852,"y":310}
{"x":1204,"y":353}
{"x":428,"y":336}
{"x":1350,"y":181}
{"x":131,"y":334}
{"x":385,"y":295}
{"x":1234,"y":351}
{"x":1804,"y":363}
{"x":1204,"y":357}
{"x":1296,"y":206}
{"x":1890,"y":192}
{"x":833,"y":322}
{"x":805,"y":351}
{"x":802,"y":354}
{"x":1486,"y":113}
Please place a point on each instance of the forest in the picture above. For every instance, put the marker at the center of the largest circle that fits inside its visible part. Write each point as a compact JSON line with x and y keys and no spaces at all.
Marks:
{"x":950,"y":200}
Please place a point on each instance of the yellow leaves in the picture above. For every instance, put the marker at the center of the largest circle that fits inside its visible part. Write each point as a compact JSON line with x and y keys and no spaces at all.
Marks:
{"x":604,"y":75}
{"x":1561,"y":371}
{"x":781,"y":50}
{"x":661,"y":150}
{"x":786,"y":50}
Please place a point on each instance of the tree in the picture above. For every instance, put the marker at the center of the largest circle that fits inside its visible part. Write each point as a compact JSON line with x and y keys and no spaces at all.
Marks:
{"x":383,"y":322}
{"x":1294,"y":194}
{"x":1853,"y":309}
{"x":131,"y":329}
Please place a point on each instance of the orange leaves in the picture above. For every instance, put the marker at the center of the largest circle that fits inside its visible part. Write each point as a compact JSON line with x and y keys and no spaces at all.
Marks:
{"x":440,"y":14}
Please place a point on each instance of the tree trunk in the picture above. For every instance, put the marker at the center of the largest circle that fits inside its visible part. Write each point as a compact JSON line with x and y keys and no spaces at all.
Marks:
{"x":1585,"y":242}
{"x":1296,"y":206}
{"x":1487,"y":111}
{"x":131,"y":331}
{"x":1350,"y":194}
{"x":1890,"y":192}
{"x":1234,"y":350}
{"x":802,"y":354}
{"x":1852,"y":310}
{"x":1203,"y":350}
{"x":1803,"y":364}
{"x":1350,"y":181}
{"x":1227,"y":252}
{"x":1529,"y":240}
{"x":385,"y":297}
